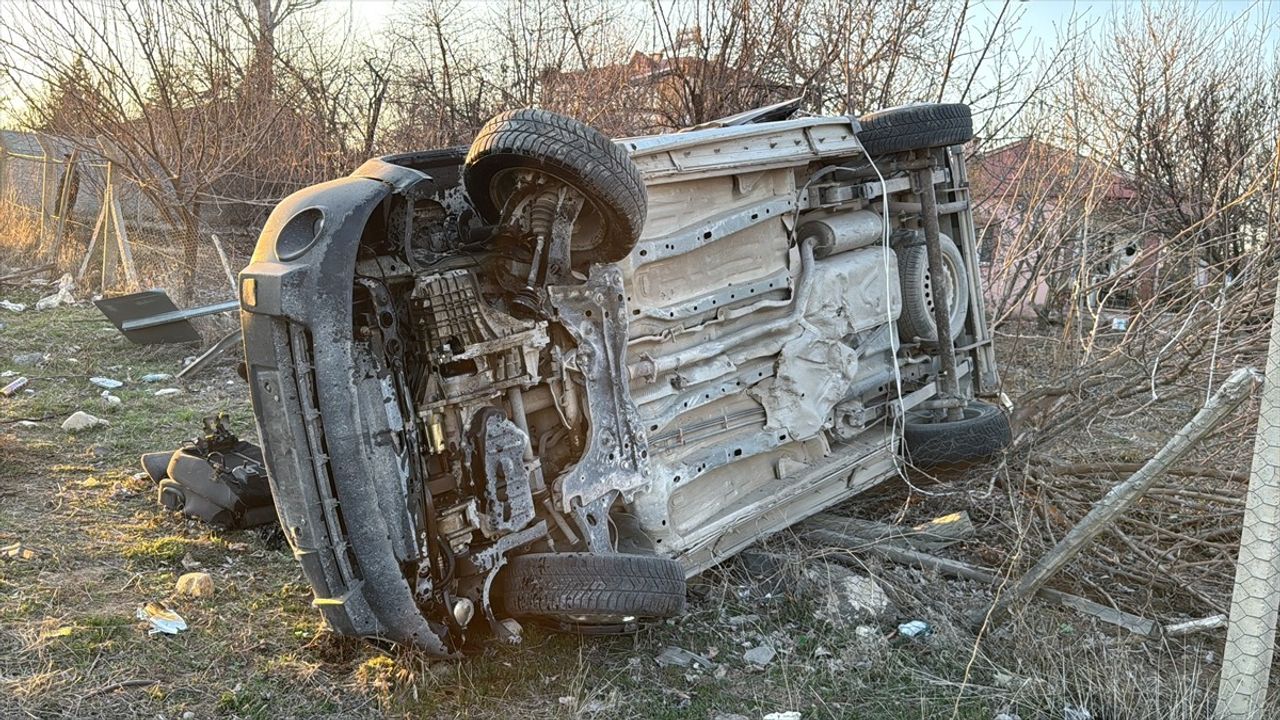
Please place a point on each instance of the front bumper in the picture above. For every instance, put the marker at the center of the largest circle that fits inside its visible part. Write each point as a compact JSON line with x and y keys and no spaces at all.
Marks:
{"x":331,"y":448}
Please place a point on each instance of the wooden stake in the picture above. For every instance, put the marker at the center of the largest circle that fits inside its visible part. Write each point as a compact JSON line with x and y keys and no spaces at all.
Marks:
{"x":98,"y":228}
{"x":125,"y":250}
{"x":110,"y":247}
{"x":226,"y":265}
{"x":65,"y":204}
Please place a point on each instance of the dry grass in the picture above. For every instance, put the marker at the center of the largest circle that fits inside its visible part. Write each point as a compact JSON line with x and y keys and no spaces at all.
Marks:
{"x":70,"y":646}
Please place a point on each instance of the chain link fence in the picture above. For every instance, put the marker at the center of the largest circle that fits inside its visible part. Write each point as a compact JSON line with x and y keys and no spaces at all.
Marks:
{"x":53,"y":198}
{"x":1250,"y":645}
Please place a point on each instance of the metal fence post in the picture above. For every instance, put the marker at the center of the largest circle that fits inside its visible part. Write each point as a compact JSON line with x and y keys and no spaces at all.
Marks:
{"x":1246,"y":658}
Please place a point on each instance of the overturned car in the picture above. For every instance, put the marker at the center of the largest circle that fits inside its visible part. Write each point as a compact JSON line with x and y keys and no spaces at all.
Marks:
{"x":551,"y":375}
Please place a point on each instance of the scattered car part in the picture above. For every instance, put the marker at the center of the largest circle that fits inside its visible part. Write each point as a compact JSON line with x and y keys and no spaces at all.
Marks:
{"x":150,"y":317}
{"x":217,"y":479}
{"x":230,"y":341}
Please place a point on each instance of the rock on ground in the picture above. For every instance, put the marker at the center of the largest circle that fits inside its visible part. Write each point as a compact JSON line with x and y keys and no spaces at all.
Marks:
{"x":81,"y":420}
{"x":845,"y":598}
{"x":195,"y":584}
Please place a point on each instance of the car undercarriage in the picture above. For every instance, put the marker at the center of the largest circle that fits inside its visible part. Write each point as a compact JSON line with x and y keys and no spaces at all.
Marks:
{"x":549,"y":376}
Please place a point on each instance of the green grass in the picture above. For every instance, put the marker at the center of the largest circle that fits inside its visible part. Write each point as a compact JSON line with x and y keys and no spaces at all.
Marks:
{"x":256,"y":649}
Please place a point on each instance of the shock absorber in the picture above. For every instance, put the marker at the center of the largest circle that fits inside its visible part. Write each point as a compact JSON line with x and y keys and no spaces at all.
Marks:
{"x":542,"y":215}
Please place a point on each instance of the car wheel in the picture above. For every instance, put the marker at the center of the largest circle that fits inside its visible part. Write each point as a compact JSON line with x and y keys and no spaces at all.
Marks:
{"x":915,"y":127}
{"x":980,"y":434}
{"x":917,"y":320}
{"x":571,"y":152}
{"x":584,"y":591}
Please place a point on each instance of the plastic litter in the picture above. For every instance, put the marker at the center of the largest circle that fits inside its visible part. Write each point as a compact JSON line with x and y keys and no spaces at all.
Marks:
{"x":166,"y":392}
{"x":63,"y":297}
{"x":155,"y":377}
{"x":110,"y":399}
{"x":672,"y":656}
{"x":915,"y":629}
{"x":12,"y":306}
{"x":161,"y":619}
{"x":13,"y":387}
{"x":17,"y":551}
{"x":761,"y":655}
{"x":106,"y":383}
{"x":784,"y":715}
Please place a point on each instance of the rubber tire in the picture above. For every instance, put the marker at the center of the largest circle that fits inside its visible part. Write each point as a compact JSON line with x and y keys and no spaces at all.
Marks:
{"x":982,"y":433}
{"x":573,"y":151}
{"x":916,"y":320}
{"x":559,"y":586}
{"x":915,"y":127}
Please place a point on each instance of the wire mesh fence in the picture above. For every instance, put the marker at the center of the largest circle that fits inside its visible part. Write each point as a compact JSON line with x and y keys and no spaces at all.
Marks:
{"x":63,"y":204}
{"x":1250,"y":644}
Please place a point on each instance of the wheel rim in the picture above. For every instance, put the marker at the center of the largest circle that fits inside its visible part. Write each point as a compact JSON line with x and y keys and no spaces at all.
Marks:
{"x":952,"y":281}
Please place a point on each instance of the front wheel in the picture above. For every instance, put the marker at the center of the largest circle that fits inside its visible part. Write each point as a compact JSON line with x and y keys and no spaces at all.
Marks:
{"x":520,"y":144}
{"x":585,"y":591}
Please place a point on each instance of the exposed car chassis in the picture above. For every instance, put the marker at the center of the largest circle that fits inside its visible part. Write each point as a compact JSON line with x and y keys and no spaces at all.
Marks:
{"x":551,"y":376}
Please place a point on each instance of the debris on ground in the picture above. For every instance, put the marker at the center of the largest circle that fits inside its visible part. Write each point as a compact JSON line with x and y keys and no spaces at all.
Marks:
{"x":784,"y":715}
{"x":161,"y":619}
{"x":1071,"y":712}
{"x":106,"y":383}
{"x":31,"y":358}
{"x":18,"y":551}
{"x":166,"y":392}
{"x":915,"y":629}
{"x":195,"y":584}
{"x":844,"y":596}
{"x":846,"y":532}
{"x":110,"y":399}
{"x":760,"y":655}
{"x":63,"y":297}
{"x":13,"y":387}
{"x":672,"y":656}
{"x":155,"y":377}
{"x":81,"y":420}
{"x":12,"y":306}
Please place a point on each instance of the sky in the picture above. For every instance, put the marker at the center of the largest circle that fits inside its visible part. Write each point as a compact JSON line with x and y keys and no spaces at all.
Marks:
{"x":1040,"y":25}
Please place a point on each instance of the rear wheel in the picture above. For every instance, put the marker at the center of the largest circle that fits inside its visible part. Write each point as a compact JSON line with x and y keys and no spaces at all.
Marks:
{"x":915,"y":127}
{"x":980,"y":434}
{"x":589,"y":592}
